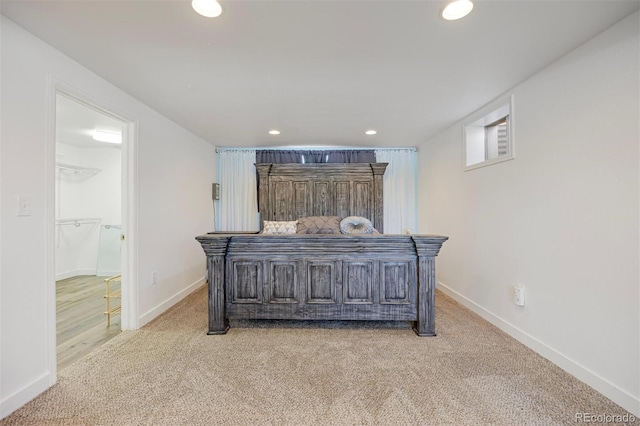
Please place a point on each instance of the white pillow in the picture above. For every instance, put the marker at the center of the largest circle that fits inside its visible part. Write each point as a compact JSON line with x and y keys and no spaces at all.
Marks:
{"x":274,"y":227}
{"x":356,"y":225}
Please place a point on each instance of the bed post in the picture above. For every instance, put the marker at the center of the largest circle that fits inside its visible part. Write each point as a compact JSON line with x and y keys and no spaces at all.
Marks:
{"x":427,"y":249}
{"x":263,"y":192}
{"x":377,"y":213}
{"x":216,"y":250}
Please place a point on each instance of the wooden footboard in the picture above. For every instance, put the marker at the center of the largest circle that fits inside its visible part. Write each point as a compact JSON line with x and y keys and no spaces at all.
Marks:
{"x":321,"y":277}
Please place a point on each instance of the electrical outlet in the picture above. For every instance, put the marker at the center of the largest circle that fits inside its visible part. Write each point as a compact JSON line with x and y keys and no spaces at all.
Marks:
{"x":154,"y":277}
{"x":518,"y":295}
{"x":24,"y":205}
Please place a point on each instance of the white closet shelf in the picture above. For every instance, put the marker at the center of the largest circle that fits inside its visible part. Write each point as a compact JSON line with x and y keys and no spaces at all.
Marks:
{"x":77,"y":170}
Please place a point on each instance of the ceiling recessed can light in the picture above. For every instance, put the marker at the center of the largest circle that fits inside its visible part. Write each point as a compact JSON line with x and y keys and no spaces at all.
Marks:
{"x":109,"y":137}
{"x":457,"y":9}
{"x":370,"y":132}
{"x":208,"y":8}
{"x":274,"y":132}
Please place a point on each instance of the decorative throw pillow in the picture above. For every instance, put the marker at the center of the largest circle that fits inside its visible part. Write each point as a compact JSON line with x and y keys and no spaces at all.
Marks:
{"x":274,"y":227}
{"x":319,"y":225}
{"x":356,"y":225}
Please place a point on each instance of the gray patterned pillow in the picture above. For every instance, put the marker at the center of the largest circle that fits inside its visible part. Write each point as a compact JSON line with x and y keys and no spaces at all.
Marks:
{"x":356,"y":225}
{"x":279,"y":227}
{"x":319,"y":225}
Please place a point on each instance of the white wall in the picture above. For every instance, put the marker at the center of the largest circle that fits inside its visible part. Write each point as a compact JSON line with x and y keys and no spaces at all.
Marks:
{"x":175,"y":170}
{"x":561,"y":219}
{"x":96,"y":196}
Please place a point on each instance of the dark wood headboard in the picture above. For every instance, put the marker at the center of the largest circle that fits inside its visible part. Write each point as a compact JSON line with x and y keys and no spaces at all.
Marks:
{"x":291,"y":191}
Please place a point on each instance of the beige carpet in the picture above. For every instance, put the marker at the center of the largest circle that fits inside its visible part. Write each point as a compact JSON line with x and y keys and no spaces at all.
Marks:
{"x":300,"y":373}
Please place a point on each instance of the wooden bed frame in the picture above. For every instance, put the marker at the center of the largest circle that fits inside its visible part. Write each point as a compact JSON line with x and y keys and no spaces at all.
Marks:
{"x":316,"y":276}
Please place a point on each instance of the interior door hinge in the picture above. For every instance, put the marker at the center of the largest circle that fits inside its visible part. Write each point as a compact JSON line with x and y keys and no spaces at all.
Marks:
{"x":121,"y":237}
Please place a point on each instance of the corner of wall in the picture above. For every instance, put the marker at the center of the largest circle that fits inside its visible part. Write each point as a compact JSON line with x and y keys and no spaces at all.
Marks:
{"x":169,"y":302}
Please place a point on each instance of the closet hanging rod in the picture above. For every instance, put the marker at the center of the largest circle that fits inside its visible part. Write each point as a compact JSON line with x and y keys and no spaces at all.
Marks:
{"x":78,"y":222}
{"x":77,"y":169}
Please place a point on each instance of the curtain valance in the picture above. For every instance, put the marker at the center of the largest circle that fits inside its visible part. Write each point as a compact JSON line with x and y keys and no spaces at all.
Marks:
{"x":315,"y":156}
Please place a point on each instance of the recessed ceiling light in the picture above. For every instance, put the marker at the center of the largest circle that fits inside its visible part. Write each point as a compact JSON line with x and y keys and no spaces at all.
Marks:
{"x":109,"y":137}
{"x":370,"y":132}
{"x":208,"y":8}
{"x":457,"y":9}
{"x":274,"y":132}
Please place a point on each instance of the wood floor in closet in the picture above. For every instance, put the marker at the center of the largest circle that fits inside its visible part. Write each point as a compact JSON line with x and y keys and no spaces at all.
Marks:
{"x":80,"y":319}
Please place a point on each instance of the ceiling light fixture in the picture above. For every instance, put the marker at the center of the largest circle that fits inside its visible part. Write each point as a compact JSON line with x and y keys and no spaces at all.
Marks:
{"x":370,"y":132}
{"x":274,"y":132}
{"x":208,"y":8}
{"x":109,"y":137}
{"x":457,"y":9}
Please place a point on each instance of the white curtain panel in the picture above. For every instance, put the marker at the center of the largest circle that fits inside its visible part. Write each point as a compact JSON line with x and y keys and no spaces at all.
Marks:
{"x":238,"y":205}
{"x":399,"y":185}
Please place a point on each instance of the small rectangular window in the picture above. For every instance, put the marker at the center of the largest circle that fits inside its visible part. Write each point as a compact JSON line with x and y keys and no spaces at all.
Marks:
{"x":496,"y":139}
{"x":488,"y":137}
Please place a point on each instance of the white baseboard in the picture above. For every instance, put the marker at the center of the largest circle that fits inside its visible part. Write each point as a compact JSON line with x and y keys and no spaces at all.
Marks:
{"x":154,"y":312}
{"x":77,"y":272}
{"x":20,"y":398}
{"x":608,"y":389}
{"x":107,"y":273}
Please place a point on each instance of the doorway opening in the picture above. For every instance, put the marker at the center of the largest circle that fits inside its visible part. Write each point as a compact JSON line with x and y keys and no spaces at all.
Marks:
{"x":89,"y":216}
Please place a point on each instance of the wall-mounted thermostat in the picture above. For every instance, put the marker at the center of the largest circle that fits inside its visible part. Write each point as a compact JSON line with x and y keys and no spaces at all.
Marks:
{"x":215,"y":191}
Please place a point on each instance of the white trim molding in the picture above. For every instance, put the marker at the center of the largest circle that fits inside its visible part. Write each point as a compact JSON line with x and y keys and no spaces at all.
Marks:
{"x":50,"y":232}
{"x":130,"y":291}
{"x":129,"y":312}
{"x":75,"y":273}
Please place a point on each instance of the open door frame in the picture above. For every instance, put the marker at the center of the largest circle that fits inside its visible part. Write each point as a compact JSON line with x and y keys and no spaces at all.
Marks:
{"x":129,"y":315}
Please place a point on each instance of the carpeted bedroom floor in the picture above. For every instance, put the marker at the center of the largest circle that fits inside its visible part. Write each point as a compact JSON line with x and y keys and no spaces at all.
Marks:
{"x":300,"y":373}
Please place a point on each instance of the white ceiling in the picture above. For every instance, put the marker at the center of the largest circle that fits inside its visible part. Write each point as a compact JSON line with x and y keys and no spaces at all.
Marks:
{"x":322,"y":72}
